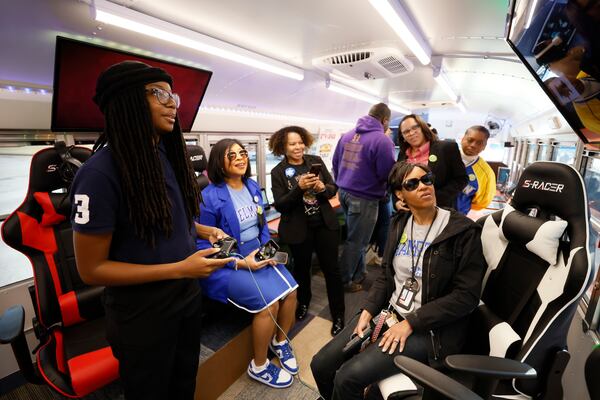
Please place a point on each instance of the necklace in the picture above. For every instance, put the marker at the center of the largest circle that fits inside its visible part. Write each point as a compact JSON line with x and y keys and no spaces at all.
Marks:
{"x":411,"y":282}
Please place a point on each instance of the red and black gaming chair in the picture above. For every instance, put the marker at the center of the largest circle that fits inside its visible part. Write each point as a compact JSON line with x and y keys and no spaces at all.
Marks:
{"x":73,"y":356}
{"x":538,"y":267}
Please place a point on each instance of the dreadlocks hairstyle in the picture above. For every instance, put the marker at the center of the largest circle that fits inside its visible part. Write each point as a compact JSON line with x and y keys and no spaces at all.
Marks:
{"x":129,"y":133}
{"x":278,"y":140}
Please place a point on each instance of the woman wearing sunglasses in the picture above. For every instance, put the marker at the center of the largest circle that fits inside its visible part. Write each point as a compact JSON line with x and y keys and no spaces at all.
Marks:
{"x":418,"y":144}
{"x":433,"y":270}
{"x":233,"y":202}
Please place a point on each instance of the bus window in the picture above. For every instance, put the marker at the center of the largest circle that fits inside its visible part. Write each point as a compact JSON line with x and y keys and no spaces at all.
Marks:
{"x":271,"y":160}
{"x":564,"y":154}
{"x":532,"y":152}
{"x":592,"y":185}
{"x":543,"y":154}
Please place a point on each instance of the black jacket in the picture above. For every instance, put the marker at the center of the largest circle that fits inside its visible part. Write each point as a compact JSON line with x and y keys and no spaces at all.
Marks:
{"x":288,"y":201}
{"x":448,"y":169}
{"x":453,"y":268}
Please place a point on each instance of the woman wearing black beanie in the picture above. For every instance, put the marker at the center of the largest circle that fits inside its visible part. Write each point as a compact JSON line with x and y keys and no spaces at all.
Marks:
{"x":134,"y":202}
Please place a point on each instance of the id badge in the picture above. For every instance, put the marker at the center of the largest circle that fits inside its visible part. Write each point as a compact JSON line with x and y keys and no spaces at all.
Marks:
{"x":407,"y":294}
{"x":391,"y":320}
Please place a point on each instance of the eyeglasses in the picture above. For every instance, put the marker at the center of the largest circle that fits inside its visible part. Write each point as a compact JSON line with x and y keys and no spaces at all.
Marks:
{"x":411,"y":129}
{"x":164,"y":97}
{"x":232,"y":155}
{"x":413,"y":183}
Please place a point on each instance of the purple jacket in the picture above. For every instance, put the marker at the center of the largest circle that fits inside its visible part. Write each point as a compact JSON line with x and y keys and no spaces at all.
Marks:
{"x":362,"y":160}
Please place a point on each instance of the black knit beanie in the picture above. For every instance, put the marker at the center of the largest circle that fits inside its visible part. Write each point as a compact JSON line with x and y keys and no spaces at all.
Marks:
{"x":125,"y":75}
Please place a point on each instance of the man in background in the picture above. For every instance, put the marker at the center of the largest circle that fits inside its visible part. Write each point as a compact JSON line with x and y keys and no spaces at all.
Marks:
{"x":481,"y":188}
{"x":362,"y":161}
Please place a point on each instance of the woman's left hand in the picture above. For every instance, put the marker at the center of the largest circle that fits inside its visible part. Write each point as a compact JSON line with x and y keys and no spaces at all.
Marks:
{"x":394,"y":336}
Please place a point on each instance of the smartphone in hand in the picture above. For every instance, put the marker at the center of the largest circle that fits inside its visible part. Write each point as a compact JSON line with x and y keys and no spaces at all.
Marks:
{"x":315,"y":169}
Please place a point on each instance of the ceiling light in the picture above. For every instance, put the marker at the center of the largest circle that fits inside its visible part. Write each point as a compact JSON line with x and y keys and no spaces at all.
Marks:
{"x":461,"y":105}
{"x":441,"y":80}
{"x":346,"y":91}
{"x":397,"y":108}
{"x":113,"y":14}
{"x":398,"y":19}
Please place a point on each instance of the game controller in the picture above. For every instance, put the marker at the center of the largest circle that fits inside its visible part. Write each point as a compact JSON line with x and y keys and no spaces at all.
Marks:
{"x":226,"y":246}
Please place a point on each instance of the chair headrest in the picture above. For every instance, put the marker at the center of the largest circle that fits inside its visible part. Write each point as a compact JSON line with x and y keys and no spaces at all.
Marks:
{"x":55,"y":167}
{"x":197,"y":157}
{"x":554,"y":189}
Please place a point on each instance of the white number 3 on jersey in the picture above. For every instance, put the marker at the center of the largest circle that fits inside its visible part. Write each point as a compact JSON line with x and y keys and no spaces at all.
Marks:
{"x":82,"y":216}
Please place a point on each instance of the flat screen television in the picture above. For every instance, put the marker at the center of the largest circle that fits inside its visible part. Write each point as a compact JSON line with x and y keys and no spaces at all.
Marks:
{"x":559,"y":42}
{"x":76,"y":68}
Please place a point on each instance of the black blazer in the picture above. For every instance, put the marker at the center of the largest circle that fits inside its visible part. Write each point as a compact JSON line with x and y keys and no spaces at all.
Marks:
{"x":448,"y":169}
{"x":288,"y":201}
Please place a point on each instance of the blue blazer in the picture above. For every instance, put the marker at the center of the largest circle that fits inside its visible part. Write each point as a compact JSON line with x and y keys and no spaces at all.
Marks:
{"x":216,"y":209}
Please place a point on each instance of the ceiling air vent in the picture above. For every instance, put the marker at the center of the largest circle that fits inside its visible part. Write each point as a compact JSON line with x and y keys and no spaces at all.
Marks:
{"x":393,"y":65}
{"x":348,"y":58}
{"x":366,"y":63}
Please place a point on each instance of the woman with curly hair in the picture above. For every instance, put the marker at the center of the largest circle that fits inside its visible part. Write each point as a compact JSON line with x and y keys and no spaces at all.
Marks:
{"x":308,"y":223}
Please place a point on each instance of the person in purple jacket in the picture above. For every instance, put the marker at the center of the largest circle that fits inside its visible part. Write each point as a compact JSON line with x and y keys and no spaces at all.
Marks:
{"x":362,"y":160}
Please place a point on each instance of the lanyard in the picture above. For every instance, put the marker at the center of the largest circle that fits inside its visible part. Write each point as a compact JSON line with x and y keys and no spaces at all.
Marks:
{"x":412,"y":247}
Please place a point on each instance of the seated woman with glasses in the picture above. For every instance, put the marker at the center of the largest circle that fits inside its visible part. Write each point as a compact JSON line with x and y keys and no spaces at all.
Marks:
{"x":233,"y":202}
{"x":418,"y":144}
{"x":433,"y":267}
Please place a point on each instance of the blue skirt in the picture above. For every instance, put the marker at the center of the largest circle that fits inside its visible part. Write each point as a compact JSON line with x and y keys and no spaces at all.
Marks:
{"x":252,"y":291}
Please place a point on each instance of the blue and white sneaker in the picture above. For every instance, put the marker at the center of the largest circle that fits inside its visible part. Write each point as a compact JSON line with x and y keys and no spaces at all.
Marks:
{"x":285,"y":355}
{"x":272,"y":376}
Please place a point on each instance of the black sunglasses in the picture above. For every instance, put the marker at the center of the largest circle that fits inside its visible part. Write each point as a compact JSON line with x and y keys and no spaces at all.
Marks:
{"x":413,"y":183}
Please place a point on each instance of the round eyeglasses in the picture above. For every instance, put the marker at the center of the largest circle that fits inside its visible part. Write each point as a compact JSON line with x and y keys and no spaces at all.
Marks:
{"x":232,"y":155}
{"x":164,"y":97}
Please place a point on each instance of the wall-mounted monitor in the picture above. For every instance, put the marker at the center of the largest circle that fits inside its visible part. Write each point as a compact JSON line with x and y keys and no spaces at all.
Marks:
{"x":76,"y":68}
{"x":559,"y":42}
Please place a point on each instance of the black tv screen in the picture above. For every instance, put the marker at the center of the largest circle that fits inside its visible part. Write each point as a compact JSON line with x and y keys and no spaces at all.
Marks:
{"x":559,"y":42}
{"x":76,"y":69}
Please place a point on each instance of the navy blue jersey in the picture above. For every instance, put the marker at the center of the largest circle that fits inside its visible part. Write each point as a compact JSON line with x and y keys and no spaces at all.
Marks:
{"x":99,"y":206}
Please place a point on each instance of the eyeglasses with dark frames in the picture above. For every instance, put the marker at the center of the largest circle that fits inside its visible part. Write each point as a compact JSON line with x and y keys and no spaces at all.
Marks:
{"x":411,"y":129}
{"x":232,"y":155}
{"x":165,"y":97}
{"x":413,"y":183}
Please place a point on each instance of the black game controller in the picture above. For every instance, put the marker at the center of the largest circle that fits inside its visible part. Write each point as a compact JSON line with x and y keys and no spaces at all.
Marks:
{"x":226,"y":246}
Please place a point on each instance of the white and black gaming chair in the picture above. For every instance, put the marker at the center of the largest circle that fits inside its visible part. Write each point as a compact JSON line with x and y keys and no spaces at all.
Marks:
{"x":199,"y":163}
{"x":73,"y":356}
{"x":536,"y":251}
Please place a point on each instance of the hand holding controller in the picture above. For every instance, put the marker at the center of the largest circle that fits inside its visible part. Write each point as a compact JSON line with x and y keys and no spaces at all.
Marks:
{"x":226,"y":246}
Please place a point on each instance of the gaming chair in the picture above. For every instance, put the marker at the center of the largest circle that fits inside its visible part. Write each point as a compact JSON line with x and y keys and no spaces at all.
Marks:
{"x":199,"y":162}
{"x":538,"y":267}
{"x":73,"y":356}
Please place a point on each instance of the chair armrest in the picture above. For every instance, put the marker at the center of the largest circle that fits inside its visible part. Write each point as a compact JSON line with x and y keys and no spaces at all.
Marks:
{"x":490,"y":367}
{"x":12,"y":322}
{"x":429,"y":378}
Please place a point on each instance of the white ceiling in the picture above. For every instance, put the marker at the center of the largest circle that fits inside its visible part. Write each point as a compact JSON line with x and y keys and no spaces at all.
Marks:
{"x":294,"y":32}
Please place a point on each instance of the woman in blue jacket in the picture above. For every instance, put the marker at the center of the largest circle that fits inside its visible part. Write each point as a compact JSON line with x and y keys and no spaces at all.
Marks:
{"x":233,"y":202}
